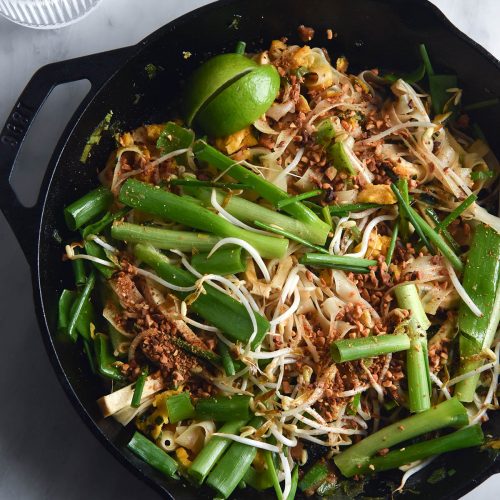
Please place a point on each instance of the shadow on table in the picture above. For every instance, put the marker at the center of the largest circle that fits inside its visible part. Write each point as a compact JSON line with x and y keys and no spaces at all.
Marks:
{"x":45,"y":449}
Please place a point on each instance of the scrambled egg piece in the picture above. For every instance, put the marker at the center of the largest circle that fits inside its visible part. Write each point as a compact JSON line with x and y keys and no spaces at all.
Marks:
{"x":377,"y":245}
{"x":153,"y":423}
{"x":154,"y":131}
{"x":377,"y":193}
{"x":342,"y":64}
{"x":234,"y":142}
{"x":315,"y":61}
{"x":183,"y":457}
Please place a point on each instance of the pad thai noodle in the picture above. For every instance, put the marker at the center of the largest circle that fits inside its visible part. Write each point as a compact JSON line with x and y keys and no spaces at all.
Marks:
{"x":310,"y":298}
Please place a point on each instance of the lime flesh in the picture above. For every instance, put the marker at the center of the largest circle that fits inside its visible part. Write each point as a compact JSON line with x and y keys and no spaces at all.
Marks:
{"x":240,"y":103}
{"x":210,"y":77}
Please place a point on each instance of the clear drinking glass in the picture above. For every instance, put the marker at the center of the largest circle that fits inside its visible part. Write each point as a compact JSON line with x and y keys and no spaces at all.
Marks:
{"x":46,"y":14}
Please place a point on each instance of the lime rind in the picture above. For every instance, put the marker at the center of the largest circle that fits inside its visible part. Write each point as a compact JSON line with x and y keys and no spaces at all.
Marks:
{"x":210,"y":78}
{"x":240,"y":103}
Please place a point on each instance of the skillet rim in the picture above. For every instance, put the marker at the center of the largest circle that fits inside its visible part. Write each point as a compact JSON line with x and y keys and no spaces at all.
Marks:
{"x":49,"y":341}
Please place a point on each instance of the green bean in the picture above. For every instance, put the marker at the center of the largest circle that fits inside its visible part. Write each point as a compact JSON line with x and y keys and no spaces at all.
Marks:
{"x":87,"y":207}
{"x":166,"y":205}
{"x":450,"y":413}
{"x":368,"y":347}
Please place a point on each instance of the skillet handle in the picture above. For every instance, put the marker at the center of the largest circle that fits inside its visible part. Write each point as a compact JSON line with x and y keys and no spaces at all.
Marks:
{"x":96,"y":68}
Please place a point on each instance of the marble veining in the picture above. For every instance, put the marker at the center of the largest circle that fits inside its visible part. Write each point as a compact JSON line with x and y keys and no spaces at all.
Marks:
{"x":46,"y":452}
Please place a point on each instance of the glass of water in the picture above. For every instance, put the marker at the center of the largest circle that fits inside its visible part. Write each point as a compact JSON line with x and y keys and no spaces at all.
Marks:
{"x":46,"y":14}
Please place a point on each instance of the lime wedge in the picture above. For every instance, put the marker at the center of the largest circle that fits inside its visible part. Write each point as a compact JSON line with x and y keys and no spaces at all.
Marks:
{"x":212,"y":76}
{"x":240,"y":103}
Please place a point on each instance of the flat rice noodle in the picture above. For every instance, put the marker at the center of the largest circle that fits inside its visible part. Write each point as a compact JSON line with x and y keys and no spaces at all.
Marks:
{"x":196,"y":435}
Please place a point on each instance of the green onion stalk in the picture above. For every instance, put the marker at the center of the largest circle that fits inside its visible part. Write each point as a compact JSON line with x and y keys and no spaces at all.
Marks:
{"x":233,"y":465}
{"x":247,"y":211}
{"x":179,"y":407}
{"x":417,"y":358}
{"x":450,"y":413}
{"x":152,"y":455}
{"x":169,"y":206}
{"x":354,"y":264}
{"x":228,"y":260}
{"x":217,"y":308}
{"x":165,"y":239}
{"x":466,"y":437}
{"x":87,"y":207}
{"x":212,"y":452}
{"x":263,"y":187}
{"x":223,"y":408}
{"x":368,"y":347}
{"x":481,"y":282}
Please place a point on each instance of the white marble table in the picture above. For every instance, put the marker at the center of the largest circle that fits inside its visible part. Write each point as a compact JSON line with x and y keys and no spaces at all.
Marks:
{"x":46,"y":452}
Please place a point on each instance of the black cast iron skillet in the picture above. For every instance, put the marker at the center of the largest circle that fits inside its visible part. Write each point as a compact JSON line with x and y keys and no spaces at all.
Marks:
{"x":372,"y":33}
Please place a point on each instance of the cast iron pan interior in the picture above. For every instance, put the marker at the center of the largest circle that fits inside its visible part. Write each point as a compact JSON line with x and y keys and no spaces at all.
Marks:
{"x":370,"y":33}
